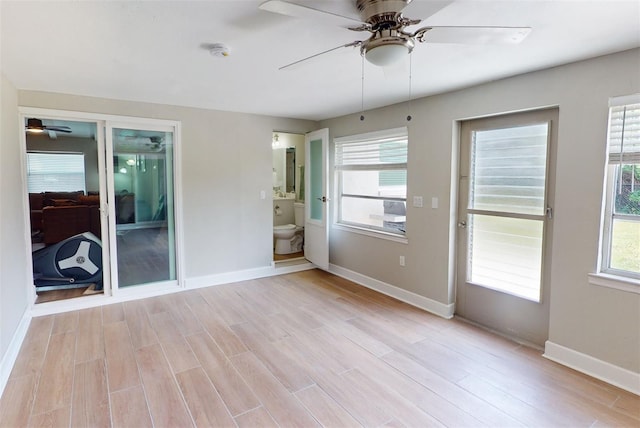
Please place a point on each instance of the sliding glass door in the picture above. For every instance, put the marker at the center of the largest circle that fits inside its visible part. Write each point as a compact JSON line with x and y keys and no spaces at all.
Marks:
{"x":141,"y":189}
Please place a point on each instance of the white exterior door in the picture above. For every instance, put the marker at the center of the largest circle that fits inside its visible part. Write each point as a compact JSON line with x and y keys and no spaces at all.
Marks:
{"x":316,"y":228}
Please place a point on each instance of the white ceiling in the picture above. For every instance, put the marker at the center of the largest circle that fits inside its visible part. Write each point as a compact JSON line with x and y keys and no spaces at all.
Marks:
{"x":152,"y":51}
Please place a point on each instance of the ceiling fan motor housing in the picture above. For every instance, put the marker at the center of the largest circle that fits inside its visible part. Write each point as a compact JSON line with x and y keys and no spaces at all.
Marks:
{"x":371,"y":8}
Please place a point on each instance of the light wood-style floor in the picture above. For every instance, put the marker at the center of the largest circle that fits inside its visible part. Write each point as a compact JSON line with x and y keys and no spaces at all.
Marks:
{"x":305,"y":349}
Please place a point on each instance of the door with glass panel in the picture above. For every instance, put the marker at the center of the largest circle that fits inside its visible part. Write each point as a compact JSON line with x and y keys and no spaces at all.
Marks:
{"x":504,"y":223}
{"x":141,"y":190}
{"x":316,"y":227}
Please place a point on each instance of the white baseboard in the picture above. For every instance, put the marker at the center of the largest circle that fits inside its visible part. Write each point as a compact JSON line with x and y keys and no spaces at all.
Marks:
{"x":429,"y":305}
{"x":587,"y":364}
{"x":244,"y":275}
{"x":10,"y":356}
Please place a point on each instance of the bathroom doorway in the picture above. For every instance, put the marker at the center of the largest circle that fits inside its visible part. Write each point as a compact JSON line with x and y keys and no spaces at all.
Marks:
{"x":288,"y":196}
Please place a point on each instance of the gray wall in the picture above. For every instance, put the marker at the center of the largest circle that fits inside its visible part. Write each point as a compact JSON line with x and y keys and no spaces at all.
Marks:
{"x":226,"y":162}
{"x":597,"y":321}
{"x":14,"y":266}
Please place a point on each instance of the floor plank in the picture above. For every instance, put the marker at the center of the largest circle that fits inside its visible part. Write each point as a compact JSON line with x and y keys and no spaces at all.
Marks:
{"x":165,"y":401}
{"x":142,"y":334}
{"x":19,"y":395}
{"x":90,"y":406}
{"x":34,"y":347}
{"x":129,"y":409}
{"x":256,"y":418}
{"x":122,"y":371}
{"x":285,"y":409}
{"x":204,"y":402}
{"x":56,"y":380}
{"x":325,"y":409}
{"x":90,"y":343}
{"x":234,"y":391}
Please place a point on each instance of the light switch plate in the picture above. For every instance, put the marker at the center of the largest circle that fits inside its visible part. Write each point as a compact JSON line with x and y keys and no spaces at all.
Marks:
{"x":418,"y":201}
{"x":434,"y":202}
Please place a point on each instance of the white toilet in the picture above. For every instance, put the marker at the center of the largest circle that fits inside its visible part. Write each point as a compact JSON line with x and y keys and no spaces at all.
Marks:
{"x":289,"y":237}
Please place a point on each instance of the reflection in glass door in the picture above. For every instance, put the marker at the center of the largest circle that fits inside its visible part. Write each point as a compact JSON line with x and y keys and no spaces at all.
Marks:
{"x":143,"y":198}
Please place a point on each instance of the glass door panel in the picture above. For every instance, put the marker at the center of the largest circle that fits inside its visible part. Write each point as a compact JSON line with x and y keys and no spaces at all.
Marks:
{"x":315,"y":172}
{"x":143,"y":196}
{"x":505,"y":254}
{"x":506,"y":208}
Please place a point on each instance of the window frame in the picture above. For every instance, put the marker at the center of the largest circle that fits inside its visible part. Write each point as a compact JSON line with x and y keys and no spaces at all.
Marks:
{"x":606,"y":275}
{"x":361,"y":228}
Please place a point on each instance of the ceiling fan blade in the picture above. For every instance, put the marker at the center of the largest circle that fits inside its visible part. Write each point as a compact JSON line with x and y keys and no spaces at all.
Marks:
{"x":58,"y":129}
{"x":348,"y":45}
{"x":305,"y":12}
{"x":472,"y":35}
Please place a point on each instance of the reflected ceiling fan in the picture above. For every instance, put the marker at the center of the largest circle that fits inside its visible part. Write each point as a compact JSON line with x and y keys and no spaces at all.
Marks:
{"x":35,"y":126}
{"x":390,"y":37}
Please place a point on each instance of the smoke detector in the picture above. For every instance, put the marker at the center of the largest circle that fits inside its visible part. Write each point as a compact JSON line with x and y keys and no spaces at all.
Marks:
{"x":219,"y":50}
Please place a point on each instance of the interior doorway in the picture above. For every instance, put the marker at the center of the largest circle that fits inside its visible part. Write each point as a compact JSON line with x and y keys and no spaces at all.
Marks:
{"x":288,"y":172}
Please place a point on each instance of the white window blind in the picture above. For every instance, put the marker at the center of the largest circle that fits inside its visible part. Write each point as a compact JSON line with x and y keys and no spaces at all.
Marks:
{"x":372,"y":151}
{"x":55,"y":172}
{"x":371,"y":172}
{"x":624,"y":129}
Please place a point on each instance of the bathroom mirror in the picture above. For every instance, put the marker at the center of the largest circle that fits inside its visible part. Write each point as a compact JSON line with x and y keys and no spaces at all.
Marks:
{"x":288,"y":160}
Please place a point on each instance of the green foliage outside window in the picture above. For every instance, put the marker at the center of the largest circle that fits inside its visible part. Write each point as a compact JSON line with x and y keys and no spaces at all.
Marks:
{"x":628,"y":194}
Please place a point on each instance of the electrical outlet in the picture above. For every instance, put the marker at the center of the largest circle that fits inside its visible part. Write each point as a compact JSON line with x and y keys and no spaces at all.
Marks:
{"x":434,"y":202}
{"x":401,"y":260}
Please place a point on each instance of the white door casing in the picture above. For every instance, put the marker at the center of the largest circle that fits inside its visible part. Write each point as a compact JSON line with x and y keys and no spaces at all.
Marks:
{"x":316,"y":230}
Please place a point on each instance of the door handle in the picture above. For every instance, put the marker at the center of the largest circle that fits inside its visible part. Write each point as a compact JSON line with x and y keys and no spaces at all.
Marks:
{"x":462,"y":224}
{"x":323,"y":199}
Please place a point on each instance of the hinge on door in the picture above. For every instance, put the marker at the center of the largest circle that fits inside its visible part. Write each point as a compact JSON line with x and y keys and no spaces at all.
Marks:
{"x":549,"y":213}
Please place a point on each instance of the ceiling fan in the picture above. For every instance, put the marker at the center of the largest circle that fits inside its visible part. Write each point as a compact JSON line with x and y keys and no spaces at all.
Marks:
{"x":390,"y":37}
{"x":36,"y":126}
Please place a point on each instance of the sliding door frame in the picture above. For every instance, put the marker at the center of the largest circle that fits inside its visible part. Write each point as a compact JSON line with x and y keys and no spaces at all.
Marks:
{"x":107,"y":207}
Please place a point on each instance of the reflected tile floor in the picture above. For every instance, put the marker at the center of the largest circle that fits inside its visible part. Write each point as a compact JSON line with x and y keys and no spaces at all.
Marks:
{"x":143,"y":256}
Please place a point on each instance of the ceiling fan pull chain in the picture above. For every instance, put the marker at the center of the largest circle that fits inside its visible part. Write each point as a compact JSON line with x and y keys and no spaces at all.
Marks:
{"x":362,"y":91}
{"x":409,"y":103}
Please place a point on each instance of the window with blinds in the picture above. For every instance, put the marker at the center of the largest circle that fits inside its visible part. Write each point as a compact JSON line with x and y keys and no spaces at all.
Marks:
{"x":55,"y":172}
{"x":371,"y":179}
{"x":621,"y":231}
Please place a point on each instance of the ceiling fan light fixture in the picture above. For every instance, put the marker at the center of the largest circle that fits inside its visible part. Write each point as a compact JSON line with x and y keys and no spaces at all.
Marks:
{"x":35,"y":126}
{"x":388,"y":53}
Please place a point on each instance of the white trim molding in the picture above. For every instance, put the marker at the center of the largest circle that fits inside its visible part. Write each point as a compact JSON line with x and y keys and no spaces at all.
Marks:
{"x":10,"y":356}
{"x":630,"y":285}
{"x":245,"y":275}
{"x":617,"y":376}
{"x":424,"y":303}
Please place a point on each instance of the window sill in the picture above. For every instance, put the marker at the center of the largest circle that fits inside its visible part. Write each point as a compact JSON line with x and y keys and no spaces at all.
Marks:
{"x":630,"y":285}
{"x":372,"y":233}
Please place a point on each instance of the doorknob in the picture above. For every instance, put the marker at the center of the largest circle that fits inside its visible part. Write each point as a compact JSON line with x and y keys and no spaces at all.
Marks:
{"x":462,"y":224}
